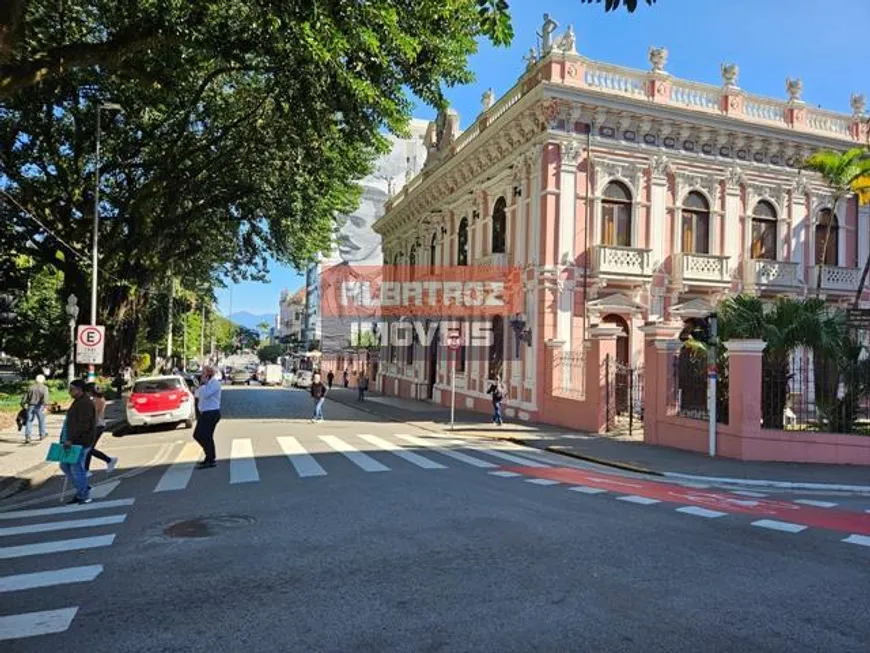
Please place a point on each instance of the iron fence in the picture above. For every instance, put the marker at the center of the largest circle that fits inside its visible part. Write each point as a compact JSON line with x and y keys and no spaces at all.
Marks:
{"x":811,"y":392}
{"x":690,"y":384}
{"x":624,"y":387}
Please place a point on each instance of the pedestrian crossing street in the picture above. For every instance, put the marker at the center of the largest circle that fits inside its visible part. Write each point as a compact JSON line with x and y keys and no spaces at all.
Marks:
{"x":41,"y":544}
{"x":314,"y":456}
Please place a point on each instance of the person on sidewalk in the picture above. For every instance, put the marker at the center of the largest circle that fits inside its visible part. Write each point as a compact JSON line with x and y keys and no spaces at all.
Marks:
{"x":318,"y":394}
{"x":79,"y":429}
{"x":34,"y":401}
{"x":329,"y":379}
{"x":497,"y":390}
{"x":346,"y":378}
{"x":363,"y":385}
{"x":99,"y":398}
{"x":209,"y":396}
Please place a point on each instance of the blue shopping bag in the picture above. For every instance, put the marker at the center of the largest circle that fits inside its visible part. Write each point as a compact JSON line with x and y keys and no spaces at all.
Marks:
{"x":57,"y":453}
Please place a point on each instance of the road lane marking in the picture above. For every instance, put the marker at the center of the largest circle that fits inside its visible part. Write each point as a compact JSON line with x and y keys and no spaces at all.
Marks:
{"x":817,"y":504}
{"x":456,"y":455}
{"x":701,"y":512}
{"x":861,"y":540}
{"x":505,"y":474}
{"x":303,"y":462}
{"x":31,"y":624}
{"x":49,"y":578}
{"x":56,"y":546}
{"x":587,"y":490}
{"x":177,"y":476}
{"x":784,"y":526}
{"x":243,"y":466}
{"x":749,"y":493}
{"x":410,"y":456}
{"x":642,"y":501}
{"x":63,"y":510}
{"x":542,"y":481}
{"x":354,"y":455}
{"x":103,"y":490}
{"x":47,"y":527}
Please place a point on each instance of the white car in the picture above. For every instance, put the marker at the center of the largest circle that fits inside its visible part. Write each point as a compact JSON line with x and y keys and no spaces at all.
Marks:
{"x":304,"y":378}
{"x":160,"y":400}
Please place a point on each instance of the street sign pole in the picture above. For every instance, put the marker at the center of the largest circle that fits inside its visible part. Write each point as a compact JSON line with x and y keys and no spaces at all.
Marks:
{"x":453,"y":390}
{"x":711,"y":384}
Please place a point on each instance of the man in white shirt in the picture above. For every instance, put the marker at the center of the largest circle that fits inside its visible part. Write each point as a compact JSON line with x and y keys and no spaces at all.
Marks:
{"x":209,"y":395}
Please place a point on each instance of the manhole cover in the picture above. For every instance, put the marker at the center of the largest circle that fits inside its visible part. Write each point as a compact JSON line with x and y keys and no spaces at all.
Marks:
{"x":206,"y":526}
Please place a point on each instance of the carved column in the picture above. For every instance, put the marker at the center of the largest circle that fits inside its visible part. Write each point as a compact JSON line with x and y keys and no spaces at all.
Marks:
{"x":732,"y":246}
{"x":798,"y":220}
{"x":659,"y":167}
{"x":535,"y":203}
{"x":569,"y":155}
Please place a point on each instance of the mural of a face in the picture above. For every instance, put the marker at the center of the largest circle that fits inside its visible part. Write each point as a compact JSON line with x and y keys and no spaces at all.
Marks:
{"x":356,"y":241}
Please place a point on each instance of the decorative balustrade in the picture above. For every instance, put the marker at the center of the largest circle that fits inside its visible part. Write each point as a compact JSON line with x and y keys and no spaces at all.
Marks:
{"x":826,"y":122}
{"x":697,"y":96}
{"x":774,"y":274}
{"x":618,"y":262}
{"x":835,"y":279}
{"x":492,"y":260}
{"x":613,"y":79}
{"x":701,"y":268}
{"x":761,"y":110}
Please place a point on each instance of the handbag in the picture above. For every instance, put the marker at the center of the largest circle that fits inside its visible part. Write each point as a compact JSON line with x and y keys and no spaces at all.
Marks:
{"x":57,"y":453}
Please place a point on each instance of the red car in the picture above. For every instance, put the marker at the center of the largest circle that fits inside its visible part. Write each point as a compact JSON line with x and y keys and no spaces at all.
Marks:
{"x":161,"y":400}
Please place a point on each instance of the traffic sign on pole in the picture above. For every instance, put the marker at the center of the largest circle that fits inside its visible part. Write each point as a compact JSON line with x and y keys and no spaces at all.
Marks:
{"x":90,"y":341}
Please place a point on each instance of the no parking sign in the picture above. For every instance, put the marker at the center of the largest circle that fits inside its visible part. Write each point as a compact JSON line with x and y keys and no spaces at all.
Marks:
{"x":90,"y":340}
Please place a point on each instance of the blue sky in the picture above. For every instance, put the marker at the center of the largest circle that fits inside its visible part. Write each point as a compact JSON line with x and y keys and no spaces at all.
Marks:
{"x":768,"y":39}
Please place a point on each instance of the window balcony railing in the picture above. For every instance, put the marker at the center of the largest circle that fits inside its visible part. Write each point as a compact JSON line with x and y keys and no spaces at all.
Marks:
{"x":701,"y":269}
{"x":764,"y":274}
{"x":622,"y":262}
{"x":493,"y":260}
{"x":835,"y":279}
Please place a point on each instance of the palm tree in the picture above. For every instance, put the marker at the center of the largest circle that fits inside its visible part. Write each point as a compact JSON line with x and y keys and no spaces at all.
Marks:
{"x":845,"y":173}
{"x":264,"y":329}
{"x":786,"y":326}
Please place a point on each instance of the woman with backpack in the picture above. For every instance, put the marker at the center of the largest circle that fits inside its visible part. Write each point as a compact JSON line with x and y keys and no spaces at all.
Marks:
{"x":497,"y":390}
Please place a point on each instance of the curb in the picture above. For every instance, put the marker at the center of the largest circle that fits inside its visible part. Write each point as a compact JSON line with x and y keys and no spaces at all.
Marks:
{"x":781,"y":485}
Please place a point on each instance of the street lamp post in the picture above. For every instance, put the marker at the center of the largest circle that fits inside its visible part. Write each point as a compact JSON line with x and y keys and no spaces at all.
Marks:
{"x":95,"y":236}
{"x":72,"y":310}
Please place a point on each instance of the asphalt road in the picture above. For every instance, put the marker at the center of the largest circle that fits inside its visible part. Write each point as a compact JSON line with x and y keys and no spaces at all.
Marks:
{"x":310,"y":537}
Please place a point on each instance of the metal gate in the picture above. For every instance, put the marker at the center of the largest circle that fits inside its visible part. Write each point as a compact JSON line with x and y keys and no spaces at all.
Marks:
{"x":623,"y":397}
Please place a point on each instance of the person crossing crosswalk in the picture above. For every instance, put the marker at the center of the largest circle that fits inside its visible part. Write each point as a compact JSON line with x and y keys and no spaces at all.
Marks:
{"x":45,"y":548}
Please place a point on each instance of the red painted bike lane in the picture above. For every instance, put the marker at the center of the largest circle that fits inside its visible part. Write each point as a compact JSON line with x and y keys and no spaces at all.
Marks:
{"x":835,"y":520}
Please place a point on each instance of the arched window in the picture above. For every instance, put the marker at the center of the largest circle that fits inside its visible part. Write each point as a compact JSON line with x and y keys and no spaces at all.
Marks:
{"x":496,"y":347}
{"x":462,"y":243}
{"x":616,"y":215}
{"x":433,"y":251}
{"x":764,"y":232}
{"x":696,"y":224}
{"x":826,"y":252}
{"x":499,"y":226}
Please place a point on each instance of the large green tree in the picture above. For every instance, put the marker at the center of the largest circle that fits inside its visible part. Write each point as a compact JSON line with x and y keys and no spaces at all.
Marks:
{"x":244,"y":129}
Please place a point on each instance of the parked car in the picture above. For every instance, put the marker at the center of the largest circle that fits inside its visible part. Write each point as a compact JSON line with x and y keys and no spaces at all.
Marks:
{"x":240,"y":376}
{"x":272,"y":375}
{"x":161,"y":400}
{"x":304,"y":379}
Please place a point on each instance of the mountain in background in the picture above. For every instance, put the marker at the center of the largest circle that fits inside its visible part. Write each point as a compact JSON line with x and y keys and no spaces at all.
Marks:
{"x":250,"y":320}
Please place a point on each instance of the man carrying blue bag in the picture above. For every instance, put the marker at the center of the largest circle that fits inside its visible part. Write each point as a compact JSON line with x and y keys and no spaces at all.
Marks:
{"x":79,"y":430}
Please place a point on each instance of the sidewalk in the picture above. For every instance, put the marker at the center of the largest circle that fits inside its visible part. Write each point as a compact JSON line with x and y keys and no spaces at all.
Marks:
{"x":622,"y":452}
{"x":23,"y":466}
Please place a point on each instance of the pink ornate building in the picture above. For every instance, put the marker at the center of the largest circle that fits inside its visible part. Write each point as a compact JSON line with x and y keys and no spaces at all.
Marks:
{"x":629,"y":197}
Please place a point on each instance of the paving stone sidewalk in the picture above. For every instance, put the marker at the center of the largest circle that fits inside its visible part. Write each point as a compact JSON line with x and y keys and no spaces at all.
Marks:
{"x":619,"y":451}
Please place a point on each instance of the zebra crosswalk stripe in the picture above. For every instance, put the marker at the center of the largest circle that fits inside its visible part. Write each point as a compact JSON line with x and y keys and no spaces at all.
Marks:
{"x":70,"y":524}
{"x":456,"y":455}
{"x":303,"y":462}
{"x":361,"y":460}
{"x":63,"y":510}
{"x":243,"y":465}
{"x":49,"y":578}
{"x":31,"y":624}
{"x":56,"y":546}
{"x":177,"y":476}
{"x":410,"y":456}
